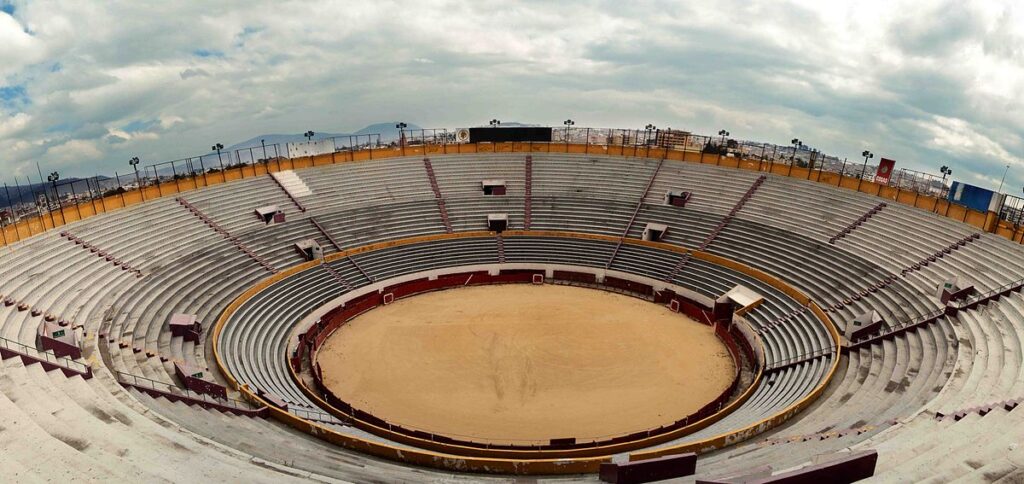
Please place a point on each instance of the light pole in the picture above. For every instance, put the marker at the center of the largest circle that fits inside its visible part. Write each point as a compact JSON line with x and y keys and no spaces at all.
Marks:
{"x":401,"y":133}
{"x":867,"y":156}
{"x":649,"y":128}
{"x":266,"y":159}
{"x":1003,"y":179}
{"x":568,"y":123}
{"x":797,"y":144}
{"x":218,"y":147}
{"x":723,"y":133}
{"x":309,"y":136}
{"x":53,"y":179}
{"x":134,"y":162}
{"x":495,"y":123}
{"x":946,"y":171}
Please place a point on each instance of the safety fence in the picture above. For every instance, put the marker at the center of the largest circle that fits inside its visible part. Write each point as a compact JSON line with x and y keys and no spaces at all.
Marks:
{"x":35,"y":207}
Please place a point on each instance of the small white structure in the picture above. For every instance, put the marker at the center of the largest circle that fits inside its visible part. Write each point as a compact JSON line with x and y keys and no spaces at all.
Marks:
{"x":270,"y":214}
{"x":677,"y":198}
{"x":493,"y":187}
{"x":309,"y":249}
{"x":655,"y":232}
{"x":310,"y":148}
{"x":497,"y":222}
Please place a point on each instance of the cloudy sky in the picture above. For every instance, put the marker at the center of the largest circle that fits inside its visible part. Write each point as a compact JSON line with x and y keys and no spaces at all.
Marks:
{"x":86,"y":85}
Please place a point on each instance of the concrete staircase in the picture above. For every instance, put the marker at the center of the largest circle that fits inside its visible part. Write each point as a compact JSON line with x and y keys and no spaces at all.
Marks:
{"x":293,"y":186}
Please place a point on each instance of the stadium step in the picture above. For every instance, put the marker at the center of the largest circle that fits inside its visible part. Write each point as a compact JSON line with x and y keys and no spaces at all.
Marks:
{"x":101,"y":253}
{"x":437,"y":195}
{"x":227,"y":235}
{"x":338,"y":247}
{"x":327,"y":234}
{"x":732,"y":213}
{"x":501,"y":248}
{"x":293,"y":186}
{"x":632,"y":218}
{"x":685,"y":258}
{"x":29,"y":355}
{"x":857,"y":223}
{"x":157,"y":389}
{"x":528,"y":201}
{"x":337,"y":276}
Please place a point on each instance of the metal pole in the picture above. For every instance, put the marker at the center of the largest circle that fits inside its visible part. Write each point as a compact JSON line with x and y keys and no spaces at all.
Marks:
{"x":35,"y":199}
{"x":1003,"y":179}
{"x":45,"y":195}
{"x":120,"y":189}
{"x":3,"y":230}
{"x":75,"y":197}
{"x":13,"y":217}
{"x":60,"y":206}
{"x":20,"y":196}
{"x":159,"y":189}
{"x":99,"y":189}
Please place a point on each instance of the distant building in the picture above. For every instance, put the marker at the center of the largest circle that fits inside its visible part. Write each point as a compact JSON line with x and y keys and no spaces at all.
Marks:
{"x":671,"y":138}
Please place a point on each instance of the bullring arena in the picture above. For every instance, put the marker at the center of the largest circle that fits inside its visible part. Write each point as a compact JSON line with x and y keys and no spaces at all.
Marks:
{"x":479,"y":311}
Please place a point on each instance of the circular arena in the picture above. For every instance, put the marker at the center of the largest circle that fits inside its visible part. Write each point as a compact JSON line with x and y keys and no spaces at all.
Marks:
{"x":466,"y":312}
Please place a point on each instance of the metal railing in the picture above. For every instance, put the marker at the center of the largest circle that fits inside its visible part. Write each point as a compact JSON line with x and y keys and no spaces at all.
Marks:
{"x":810,"y":355}
{"x":314,"y":415}
{"x":164,"y":387}
{"x":984,"y":297}
{"x":44,"y":356}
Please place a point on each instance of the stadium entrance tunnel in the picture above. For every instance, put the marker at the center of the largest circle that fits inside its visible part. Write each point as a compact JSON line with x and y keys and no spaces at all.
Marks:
{"x":369,"y":370}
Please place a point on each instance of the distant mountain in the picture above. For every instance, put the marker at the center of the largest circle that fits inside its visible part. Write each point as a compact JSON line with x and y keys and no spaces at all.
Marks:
{"x":271,"y":139}
{"x":387,"y":131}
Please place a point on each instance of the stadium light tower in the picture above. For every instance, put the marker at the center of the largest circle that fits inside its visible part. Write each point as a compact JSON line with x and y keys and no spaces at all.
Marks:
{"x":946,"y":171}
{"x":649,"y":128}
{"x":53,"y":177}
{"x":723,"y":133}
{"x":218,"y":147}
{"x":134,"y":162}
{"x":1004,"y":178}
{"x":867,"y":156}
{"x":797,"y":144}
{"x":401,"y":132}
{"x":308,"y":134}
{"x":568,"y":123}
{"x":495,"y":123}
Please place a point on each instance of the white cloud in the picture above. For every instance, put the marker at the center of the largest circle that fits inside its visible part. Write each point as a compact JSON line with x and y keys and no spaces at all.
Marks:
{"x":924,"y":82}
{"x":75,"y":151}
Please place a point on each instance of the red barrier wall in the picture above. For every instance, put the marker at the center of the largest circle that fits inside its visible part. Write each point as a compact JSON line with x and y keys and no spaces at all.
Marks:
{"x":338,"y":317}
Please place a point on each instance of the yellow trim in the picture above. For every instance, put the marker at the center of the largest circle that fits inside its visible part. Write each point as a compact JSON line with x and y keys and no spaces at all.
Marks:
{"x":524,"y":465}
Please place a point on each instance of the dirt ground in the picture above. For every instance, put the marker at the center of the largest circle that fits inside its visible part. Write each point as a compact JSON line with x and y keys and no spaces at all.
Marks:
{"x":520,"y":363}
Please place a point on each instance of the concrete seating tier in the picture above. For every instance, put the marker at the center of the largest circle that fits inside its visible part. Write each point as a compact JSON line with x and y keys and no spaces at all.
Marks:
{"x":262,"y":327}
{"x":960,"y":362}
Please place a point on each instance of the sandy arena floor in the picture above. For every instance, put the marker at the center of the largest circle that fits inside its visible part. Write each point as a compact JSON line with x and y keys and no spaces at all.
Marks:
{"x":517,"y":363}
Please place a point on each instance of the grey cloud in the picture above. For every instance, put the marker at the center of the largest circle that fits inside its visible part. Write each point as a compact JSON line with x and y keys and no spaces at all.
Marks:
{"x":194,"y":72}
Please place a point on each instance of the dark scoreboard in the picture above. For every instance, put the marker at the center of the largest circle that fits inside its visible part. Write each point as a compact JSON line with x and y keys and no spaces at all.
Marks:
{"x":495,"y":135}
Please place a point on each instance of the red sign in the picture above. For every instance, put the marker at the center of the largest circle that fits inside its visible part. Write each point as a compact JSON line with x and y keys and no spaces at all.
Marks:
{"x":885,"y":168}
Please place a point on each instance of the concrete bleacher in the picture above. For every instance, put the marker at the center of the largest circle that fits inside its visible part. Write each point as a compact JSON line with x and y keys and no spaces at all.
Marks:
{"x":889,"y":391}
